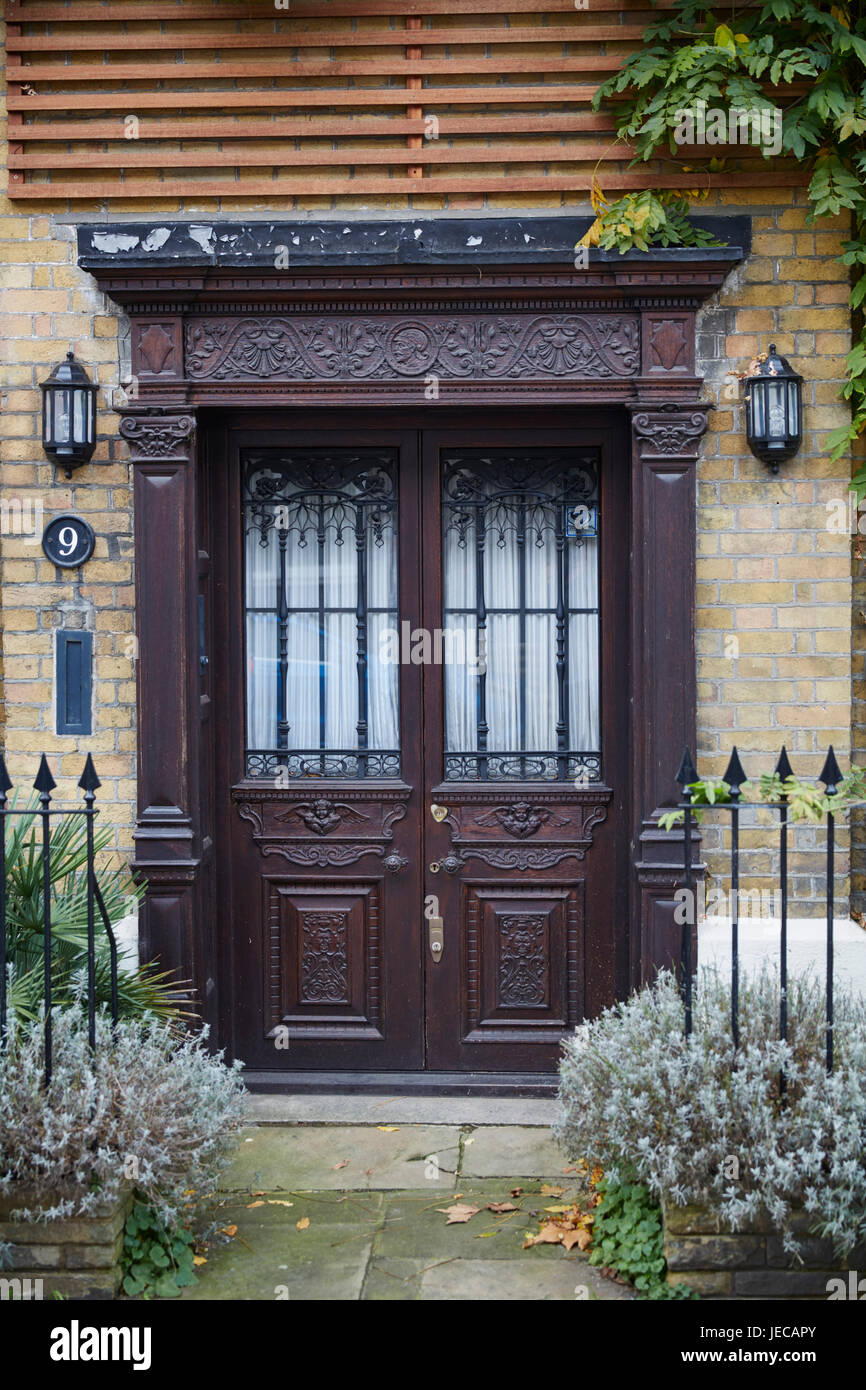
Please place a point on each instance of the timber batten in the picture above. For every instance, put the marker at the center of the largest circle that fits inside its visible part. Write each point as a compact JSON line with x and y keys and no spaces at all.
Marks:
{"x":383,"y":88}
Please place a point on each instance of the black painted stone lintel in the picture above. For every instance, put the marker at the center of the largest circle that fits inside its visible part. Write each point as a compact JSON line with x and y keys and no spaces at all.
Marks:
{"x":420,"y":241}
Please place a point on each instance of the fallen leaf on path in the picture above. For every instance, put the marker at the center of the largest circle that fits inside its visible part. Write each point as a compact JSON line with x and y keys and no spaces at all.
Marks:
{"x":501,"y":1207}
{"x":579,"y":1238}
{"x":274,"y":1203}
{"x":548,"y":1235}
{"x":344,"y":1164}
{"x":229,"y":1230}
{"x":558,"y":1209}
{"x":199,"y":1260}
{"x":250,"y":1205}
{"x":549,"y":1190}
{"x":388,"y":1129}
{"x":303,"y":1223}
{"x":458,"y":1212}
{"x":517,"y":1191}
{"x":485,"y":1235}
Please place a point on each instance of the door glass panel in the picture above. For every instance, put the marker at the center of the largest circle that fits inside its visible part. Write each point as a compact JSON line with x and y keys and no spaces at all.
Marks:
{"x":320,"y":544}
{"x":520,"y":549}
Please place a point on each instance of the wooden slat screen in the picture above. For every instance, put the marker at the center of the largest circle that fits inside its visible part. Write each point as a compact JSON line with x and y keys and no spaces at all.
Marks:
{"x":362,"y":99}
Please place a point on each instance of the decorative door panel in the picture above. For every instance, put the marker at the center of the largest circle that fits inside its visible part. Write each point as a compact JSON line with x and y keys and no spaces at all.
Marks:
{"x":523,"y":961}
{"x":322,"y":956}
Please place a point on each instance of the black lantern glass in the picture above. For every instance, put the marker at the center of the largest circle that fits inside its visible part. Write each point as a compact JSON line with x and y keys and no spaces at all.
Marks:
{"x":69,"y":415}
{"x":774,"y":408}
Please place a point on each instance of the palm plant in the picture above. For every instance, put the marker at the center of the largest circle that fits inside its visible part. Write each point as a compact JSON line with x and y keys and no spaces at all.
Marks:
{"x":140,"y":989}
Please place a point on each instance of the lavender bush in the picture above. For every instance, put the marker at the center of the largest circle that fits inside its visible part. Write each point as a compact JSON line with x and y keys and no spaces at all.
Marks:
{"x":150,"y":1106}
{"x":696,"y":1121}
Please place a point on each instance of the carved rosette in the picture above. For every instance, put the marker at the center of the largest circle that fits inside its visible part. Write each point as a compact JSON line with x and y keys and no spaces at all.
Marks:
{"x":155,"y":437}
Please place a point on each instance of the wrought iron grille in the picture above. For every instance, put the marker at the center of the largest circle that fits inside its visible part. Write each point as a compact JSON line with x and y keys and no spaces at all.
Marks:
{"x":320,"y":528}
{"x":538,"y":510}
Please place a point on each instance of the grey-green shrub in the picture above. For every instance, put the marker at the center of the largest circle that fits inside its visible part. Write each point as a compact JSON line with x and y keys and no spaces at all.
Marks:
{"x":682,"y":1116}
{"x":149,"y":1105}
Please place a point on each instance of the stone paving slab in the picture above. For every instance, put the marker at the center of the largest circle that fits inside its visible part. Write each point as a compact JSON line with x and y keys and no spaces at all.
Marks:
{"x":415,"y":1224}
{"x":565,"y":1277}
{"x":302,"y":1158}
{"x":503,"y":1150}
{"x":395,"y":1110}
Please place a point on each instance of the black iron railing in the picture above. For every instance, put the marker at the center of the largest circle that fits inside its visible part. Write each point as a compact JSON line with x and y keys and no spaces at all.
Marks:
{"x":735,"y":776}
{"x":44,"y":785}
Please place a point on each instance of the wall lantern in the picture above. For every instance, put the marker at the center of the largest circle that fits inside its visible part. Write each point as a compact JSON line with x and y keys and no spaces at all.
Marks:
{"x":774,"y":408}
{"x":69,"y":415}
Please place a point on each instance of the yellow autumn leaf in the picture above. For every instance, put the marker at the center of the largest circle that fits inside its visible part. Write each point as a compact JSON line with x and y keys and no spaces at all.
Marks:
{"x":841,"y":16}
{"x":303,"y":1223}
{"x":251,"y":1205}
{"x":275,"y":1203}
{"x":199,"y":1260}
{"x":229,"y":1230}
{"x":597,"y":198}
{"x":388,"y":1129}
{"x":591,"y":235}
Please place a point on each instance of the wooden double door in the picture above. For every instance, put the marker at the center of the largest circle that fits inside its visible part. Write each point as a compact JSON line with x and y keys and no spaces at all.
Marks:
{"x":422,"y":736}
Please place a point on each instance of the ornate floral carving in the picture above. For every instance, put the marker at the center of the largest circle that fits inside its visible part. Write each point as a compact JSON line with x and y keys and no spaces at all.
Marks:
{"x":157,"y":436}
{"x":324,"y":958}
{"x":513,"y":857}
{"x":521,"y":818}
{"x":323,"y":815}
{"x":595,"y":346}
{"x":521,"y":960}
{"x":320,"y":856}
{"x":670,"y":431}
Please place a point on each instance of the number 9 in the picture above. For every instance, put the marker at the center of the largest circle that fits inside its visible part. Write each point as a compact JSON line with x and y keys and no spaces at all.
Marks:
{"x":67,"y":540}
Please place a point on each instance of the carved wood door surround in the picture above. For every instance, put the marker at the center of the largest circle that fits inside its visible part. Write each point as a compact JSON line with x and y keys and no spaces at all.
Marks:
{"x":220,"y":348}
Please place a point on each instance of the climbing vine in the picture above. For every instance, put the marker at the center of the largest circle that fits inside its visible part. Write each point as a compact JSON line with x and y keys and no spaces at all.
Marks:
{"x":806,"y":61}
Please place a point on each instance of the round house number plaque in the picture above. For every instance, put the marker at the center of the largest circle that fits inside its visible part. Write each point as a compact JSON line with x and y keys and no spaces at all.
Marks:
{"x":68,"y":541}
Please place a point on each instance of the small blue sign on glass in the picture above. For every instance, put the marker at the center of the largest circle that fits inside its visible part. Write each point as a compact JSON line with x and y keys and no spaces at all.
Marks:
{"x":68,"y":541}
{"x":581,"y":520}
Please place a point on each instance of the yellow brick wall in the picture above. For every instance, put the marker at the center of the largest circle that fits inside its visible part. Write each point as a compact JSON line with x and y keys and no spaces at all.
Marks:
{"x":774,"y":584}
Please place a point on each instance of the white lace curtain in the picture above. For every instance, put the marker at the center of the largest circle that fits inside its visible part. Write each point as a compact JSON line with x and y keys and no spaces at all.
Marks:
{"x":322,"y":681}
{"x":522,"y":719}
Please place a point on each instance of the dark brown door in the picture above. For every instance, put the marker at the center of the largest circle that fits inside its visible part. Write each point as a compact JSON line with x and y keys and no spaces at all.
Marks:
{"x":420,"y":658}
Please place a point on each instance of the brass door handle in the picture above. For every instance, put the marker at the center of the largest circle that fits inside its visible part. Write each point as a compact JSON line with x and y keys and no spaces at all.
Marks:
{"x":436,"y":935}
